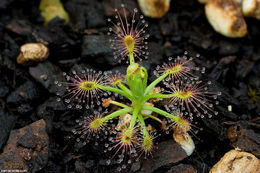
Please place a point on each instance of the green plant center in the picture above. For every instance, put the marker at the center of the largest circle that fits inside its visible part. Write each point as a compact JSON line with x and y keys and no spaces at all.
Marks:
{"x":96,"y":123}
{"x":88,"y":85}
{"x":133,"y":68}
{"x":183,"y":94}
{"x":174,"y":69}
{"x":147,"y":143}
{"x":129,"y":43}
{"x":183,"y":124}
{"x":127,"y":137}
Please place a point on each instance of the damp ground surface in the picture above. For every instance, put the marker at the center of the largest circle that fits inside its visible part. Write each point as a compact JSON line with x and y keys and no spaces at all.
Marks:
{"x":26,"y":95}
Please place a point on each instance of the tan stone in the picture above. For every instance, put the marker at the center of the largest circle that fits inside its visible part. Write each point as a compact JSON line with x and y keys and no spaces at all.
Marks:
{"x":225,"y":16}
{"x":154,"y":8}
{"x":185,"y":141}
{"x":123,"y":122}
{"x":237,"y":162}
{"x":251,"y":8}
{"x":29,"y":52}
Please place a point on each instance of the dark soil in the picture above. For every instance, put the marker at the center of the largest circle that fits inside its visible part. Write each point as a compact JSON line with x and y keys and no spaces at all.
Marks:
{"x":25,"y":96}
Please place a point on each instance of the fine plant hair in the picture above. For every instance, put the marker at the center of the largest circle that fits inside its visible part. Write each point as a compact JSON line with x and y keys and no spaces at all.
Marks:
{"x":125,"y":129}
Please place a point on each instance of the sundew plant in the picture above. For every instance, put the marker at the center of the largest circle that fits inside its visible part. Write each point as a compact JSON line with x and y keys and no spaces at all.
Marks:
{"x":125,"y":126}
